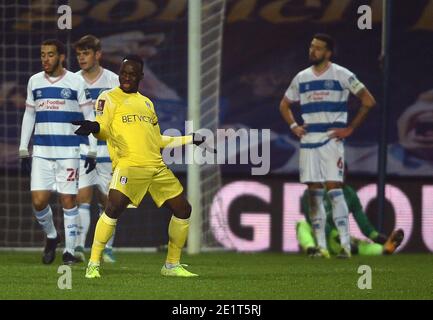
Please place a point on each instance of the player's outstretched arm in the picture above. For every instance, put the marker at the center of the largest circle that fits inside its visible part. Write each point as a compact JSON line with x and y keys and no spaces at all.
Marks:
{"x":172,"y":142}
{"x":86,"y":127}
{"x":201,"y":142}
{"x":195,"y":138}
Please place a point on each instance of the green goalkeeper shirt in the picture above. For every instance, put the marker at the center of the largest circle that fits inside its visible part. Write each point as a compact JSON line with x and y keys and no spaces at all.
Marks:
{"x":354,"y":206}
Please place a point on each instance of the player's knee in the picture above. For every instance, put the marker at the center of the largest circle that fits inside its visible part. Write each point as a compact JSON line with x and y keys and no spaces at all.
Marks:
{"x":187,"y":211}
{"x":112,"y":210}
{"x":184,"y":212}
{"x":39,"y":205}
{"x":103,"y":200}
{"x":68,"y":201}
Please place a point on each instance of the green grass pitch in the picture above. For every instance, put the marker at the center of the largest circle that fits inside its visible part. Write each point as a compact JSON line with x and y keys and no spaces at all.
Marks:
{"x":226,"y":276}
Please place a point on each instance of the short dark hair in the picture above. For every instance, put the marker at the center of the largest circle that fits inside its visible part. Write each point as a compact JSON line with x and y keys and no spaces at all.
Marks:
{"x":88,"y":42}
{"x":330,"y":43}
{"x":136,"y":58}
{"x":60,"y":47}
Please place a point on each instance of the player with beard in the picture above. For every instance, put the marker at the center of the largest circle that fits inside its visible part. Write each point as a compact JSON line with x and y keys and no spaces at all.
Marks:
{"x":322,"y":91}
{"x":55,"y":97}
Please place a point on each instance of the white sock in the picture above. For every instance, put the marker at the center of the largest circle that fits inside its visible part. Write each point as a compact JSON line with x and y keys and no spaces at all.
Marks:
{"x":70,"y":217}
{"x":340,"y":214}
{"x":45,"y":219}
{"x":318,"y":217}
{"x":83,"y":223}
{"x":109,"y":244}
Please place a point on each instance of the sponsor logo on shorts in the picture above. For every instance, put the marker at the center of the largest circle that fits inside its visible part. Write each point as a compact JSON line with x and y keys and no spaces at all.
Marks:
{"x":123,"y":180}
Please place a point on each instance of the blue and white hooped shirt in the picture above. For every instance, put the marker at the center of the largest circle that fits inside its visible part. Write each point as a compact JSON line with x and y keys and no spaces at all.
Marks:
{"x":57,"y":102}
{"x":323,"y":99}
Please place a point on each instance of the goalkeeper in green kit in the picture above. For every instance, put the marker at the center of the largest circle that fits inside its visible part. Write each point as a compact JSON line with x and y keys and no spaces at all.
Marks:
{"x":379,"y":244}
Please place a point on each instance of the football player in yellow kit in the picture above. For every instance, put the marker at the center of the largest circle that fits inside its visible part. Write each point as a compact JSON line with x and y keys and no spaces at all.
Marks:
{"x":128,"y":122}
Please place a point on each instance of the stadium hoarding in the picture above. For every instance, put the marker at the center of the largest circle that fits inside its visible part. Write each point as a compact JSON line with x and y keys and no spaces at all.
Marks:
{"x":248,"y":214}
{"x":252,"y":214}
{"x":261,"y":214}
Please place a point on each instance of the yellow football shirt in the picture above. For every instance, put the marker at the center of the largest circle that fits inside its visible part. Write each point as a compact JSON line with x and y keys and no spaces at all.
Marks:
{"x":129,"y":124}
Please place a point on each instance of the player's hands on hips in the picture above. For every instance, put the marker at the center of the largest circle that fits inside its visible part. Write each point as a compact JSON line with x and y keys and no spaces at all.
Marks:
{"x":90,"y":163}
{"x":86,"y":127}
{"x":299,"y":131}
{"x":340,"y":133}
{"x":25,"y":162}
{"x":200,"y":141}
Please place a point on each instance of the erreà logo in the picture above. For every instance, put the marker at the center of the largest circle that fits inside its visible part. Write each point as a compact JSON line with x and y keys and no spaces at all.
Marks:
{"x":87,"y":93}
{"x":123,"y":180}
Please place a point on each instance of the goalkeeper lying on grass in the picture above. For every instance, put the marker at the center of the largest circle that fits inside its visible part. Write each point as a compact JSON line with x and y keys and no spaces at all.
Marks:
{"x":378,"y":245}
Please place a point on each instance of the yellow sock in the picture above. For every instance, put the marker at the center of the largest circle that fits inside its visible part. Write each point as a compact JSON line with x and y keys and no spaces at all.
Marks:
{"x":103,"y":232}
{"x":177,"y":233}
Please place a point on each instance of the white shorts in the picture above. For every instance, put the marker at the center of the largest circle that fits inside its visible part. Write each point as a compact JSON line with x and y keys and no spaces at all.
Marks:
{"x":101,"y":176}
{"x":321,"y":164}
{"x":55,"y":175}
